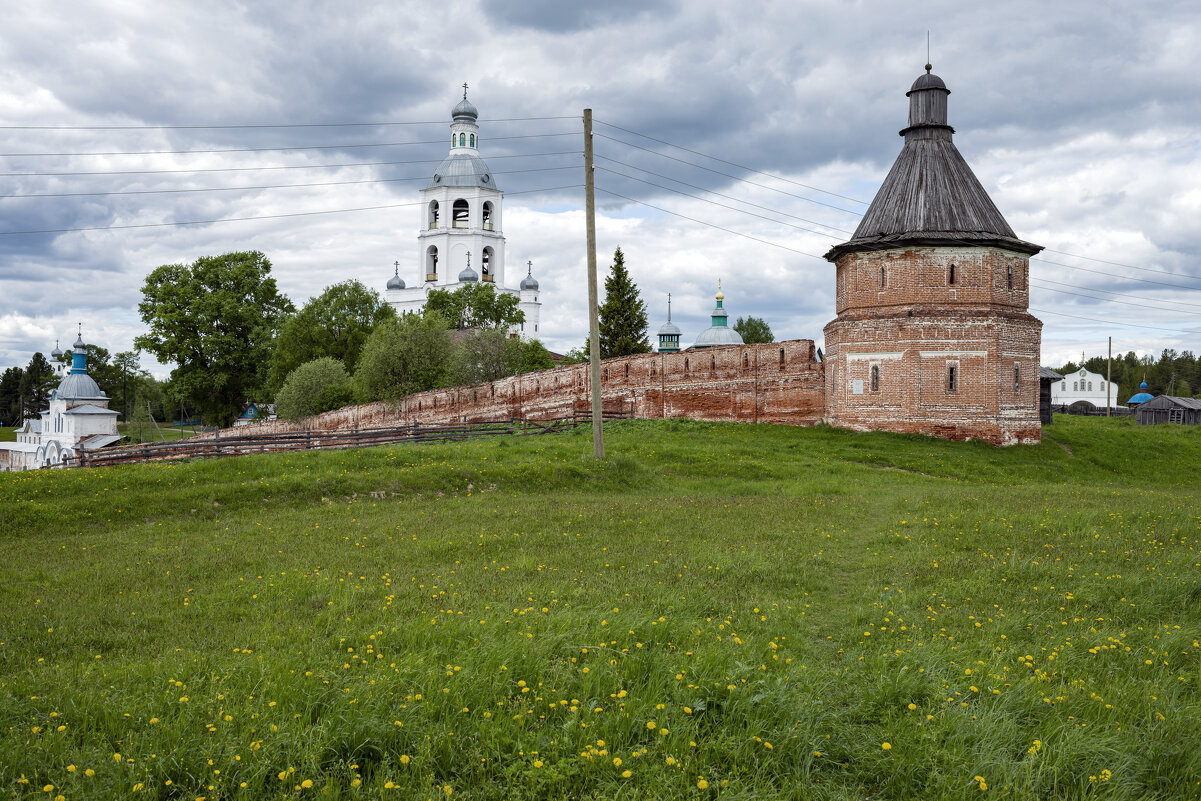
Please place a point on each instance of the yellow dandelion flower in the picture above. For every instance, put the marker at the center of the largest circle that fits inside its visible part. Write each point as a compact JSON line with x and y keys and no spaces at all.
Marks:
{"x":702,"y":784}
{"x":307,"y":784}
{"x":47,"y":788}
{"x":913,"y":706}
{"x":404,"y":759}
{"x":980,"y":781}
{"x":1105,"y":775}
{"x":617,"y":762}
{"x":650,"y":724}
{"x":89,"y":772}
{"x":625,"y":774}
{"x":886,"y":746}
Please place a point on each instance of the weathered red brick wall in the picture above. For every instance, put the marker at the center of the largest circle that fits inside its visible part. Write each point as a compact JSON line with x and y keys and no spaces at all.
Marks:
{"x":917,"y":326}
{"x":781,"y":382}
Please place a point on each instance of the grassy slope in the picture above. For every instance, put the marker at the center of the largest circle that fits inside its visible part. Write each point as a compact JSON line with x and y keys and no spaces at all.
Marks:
{"x":505,"y":618}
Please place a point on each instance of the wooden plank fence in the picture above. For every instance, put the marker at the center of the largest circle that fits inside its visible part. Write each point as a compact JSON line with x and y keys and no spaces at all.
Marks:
{"x":309,"y":440}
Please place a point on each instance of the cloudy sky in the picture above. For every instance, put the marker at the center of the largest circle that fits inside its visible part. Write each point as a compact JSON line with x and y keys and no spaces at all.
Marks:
{"x":734,"y":141}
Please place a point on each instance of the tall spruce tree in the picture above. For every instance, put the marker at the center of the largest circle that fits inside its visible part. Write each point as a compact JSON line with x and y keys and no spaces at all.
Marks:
{"x":623,"y":314}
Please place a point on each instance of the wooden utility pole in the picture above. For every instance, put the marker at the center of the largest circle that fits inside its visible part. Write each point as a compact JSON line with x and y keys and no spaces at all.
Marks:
{"x":598,"y":418}
{"x":1108,"y":376}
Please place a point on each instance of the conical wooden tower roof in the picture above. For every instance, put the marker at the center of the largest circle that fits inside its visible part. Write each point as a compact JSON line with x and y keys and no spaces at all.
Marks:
{"x":931,"y":196}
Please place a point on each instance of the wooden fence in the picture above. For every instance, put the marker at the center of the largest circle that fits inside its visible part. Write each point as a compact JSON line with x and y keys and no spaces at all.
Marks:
{"x":311,"y":440}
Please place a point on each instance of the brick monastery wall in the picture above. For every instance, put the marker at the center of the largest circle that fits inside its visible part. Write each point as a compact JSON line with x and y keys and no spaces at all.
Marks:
{"x":780,"y":382}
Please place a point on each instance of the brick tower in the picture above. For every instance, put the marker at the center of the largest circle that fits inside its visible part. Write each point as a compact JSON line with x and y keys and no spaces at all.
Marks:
{"x":933,"y":333}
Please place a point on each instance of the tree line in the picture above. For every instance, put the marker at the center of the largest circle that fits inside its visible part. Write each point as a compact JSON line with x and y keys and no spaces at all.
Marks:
{"x":234,"y":338}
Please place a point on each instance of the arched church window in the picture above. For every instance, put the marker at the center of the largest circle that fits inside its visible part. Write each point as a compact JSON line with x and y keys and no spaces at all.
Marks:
{"x":459,"y":213}
{"x":951,"y":275}
{"x":462,"y":140}
{"x":1075,"y":386}
{"x":952,"y":378}
{"x":433,"y":214}
{"x":1017,"y":375}
{"x":473,"y":140}
{"x":431,"y":262}
{"x":875,"y":375}
{"x":746,"y":361}
{"x":486,"y":264}
{"x":685,"y":365}
{"x":1090,"y":386}
{"x":881,"y":277}
{"x":486,"y":213}
{"x":1010,"y":276}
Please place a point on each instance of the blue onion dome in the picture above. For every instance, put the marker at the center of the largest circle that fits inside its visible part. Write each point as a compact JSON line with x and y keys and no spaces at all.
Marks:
{"x":396,"y":282}
{"x":1143,"y":386}
{"x":529,"y":282}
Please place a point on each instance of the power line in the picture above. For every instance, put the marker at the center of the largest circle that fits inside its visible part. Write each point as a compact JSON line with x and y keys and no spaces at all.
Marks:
{"x":345,"y":146}
{"x":710,"y":225}
{"x":260,"y":187}
{"x":834,"y":194}
{"x":714,"y":202}
{"x":728,"y":175}
{"x":1115,"y":275}
{"x":261,"y":126}
{"x":718,"y":194}
{"x":1105,"y":322}
{"x":274,"y":167}
{"x":732,"y":164}
{"x":1121,"y":294}
{"x":1111,"y":300}
{"x":256,"y":217}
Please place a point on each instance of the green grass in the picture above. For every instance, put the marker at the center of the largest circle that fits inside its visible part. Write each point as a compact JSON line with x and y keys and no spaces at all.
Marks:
{"x":504,"y":619}
{"x":8,"y":433}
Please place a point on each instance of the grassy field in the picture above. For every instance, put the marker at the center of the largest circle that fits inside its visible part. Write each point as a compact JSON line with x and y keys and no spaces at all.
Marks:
{"x":717,"y":611}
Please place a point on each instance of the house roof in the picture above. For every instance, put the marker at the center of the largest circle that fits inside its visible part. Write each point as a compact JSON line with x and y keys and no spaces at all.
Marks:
{"x":1047,"y":372}
{"x":99,"y":441}
{"x":1167,"y":401}
{"x":88,"y":408}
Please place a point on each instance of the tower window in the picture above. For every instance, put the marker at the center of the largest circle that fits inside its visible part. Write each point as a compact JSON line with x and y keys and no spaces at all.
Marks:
{"x":881,"y":277}
{"x":1010,"y":276}
{"x":431,"y":261}
{"x":781,"y":357}
{"x":951,"y":275}
{"x":459,"y":213}
{"x":952,"y":378}
{"x":685,"y":365}
{"x":1017,"y":375}
{"x":746,"y":361}
{"x":433,"y":215}
{"x":473,"y":140}
{"x":462,"y":140}
{"x":486,"y":212}
{"x":712,"y":362}
{"x":875,"y":375}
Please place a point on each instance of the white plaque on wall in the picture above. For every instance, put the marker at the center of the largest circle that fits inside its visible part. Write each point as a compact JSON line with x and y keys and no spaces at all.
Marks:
{"x":857,"y":386}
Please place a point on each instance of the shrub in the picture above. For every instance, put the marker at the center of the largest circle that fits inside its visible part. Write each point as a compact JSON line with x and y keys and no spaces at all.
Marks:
{"x":314,"y":387}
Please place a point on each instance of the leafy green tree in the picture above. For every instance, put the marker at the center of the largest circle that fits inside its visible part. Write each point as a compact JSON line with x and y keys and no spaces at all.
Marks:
{"x":335,"y":323}
{"x":10,"y":396}
{"x":754,"y":330}
{"x":623,"y":314}
{"x":312,"y":387}
{"x":534,"y":356}
{"x":485,"y":355}
{"x":37,"y":381}
{"x":216,"y":320}
{"x":475,"y":305}
{"x":404,"y":355}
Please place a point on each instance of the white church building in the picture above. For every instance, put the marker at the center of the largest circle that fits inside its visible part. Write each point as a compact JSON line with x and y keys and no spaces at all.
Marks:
{"x":461,"y":239}
{"x":78,"y":419}
{"x":1085,"y":386}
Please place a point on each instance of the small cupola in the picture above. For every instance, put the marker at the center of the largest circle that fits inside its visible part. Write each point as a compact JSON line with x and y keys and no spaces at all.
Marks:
{"x":529,"y":282}
{"x":396,"y":282}
{"x":468,"y":275}
{"x":928,"y":102}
